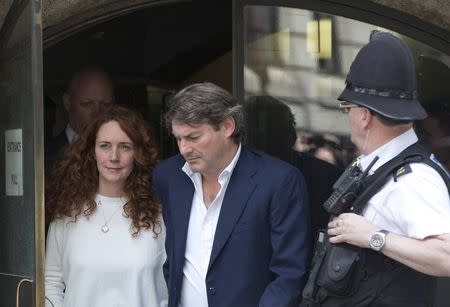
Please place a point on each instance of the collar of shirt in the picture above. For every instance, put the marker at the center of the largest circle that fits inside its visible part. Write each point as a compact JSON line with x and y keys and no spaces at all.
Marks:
{"x":388,"y":151}
{"x":71,"y":134}
{"x":223,"y":177}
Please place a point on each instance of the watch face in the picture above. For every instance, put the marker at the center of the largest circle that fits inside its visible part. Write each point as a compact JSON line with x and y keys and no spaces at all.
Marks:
{"x":377,"y":241}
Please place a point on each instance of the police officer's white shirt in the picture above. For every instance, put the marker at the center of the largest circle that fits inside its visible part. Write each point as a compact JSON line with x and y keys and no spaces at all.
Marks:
{"x":417,"y":205}
{"x":200,"y":236}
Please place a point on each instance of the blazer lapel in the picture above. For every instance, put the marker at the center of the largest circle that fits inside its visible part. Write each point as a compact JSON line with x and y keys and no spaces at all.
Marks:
{"x":237,"y":194}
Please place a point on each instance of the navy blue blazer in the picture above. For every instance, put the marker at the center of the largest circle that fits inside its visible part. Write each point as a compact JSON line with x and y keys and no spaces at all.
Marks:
{"x":262,"y":241}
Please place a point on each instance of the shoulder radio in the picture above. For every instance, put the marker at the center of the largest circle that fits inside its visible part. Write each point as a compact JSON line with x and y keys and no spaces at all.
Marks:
{"x":346,"y":189}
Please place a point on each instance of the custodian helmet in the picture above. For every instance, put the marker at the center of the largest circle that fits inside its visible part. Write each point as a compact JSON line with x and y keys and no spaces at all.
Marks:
{"x":382,"y":78}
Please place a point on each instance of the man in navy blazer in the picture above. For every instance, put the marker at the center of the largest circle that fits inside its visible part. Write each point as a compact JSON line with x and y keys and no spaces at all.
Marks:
{"x":237,"y":220}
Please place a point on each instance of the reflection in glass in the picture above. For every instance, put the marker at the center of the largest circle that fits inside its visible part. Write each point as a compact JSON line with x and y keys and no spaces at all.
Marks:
{"x":433,"y":77}
{"x":271,"y":128}
{"x":301,"y":57}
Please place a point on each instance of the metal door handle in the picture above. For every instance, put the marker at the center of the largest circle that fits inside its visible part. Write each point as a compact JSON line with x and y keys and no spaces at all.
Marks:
{"x":18,"y":289}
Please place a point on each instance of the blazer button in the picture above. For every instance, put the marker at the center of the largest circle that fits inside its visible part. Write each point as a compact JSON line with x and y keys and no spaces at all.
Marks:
{"x":211,"y":290}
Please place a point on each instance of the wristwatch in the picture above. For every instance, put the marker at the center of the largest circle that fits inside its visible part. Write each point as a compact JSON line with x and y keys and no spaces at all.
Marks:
{"x":377,"y":240}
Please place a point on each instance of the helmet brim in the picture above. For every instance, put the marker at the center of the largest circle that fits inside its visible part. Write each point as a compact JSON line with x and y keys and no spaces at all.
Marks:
{"x":392,"y":108}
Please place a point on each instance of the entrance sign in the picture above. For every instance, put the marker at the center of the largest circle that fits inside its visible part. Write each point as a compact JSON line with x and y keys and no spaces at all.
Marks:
{"x":13,"y":162}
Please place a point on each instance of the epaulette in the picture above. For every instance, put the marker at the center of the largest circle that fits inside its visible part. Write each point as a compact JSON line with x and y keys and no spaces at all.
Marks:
{"x":398,"y":166}
{"x":403,"y":170}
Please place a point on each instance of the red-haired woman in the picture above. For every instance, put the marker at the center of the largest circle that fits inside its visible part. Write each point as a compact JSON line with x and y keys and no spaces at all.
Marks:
{"x":105,"y":244}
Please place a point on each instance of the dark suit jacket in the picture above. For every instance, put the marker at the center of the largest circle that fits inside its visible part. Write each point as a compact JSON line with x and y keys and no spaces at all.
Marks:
{"x":320,"y":177}
{"x":53,"y":148}
{"x":261,"y":244}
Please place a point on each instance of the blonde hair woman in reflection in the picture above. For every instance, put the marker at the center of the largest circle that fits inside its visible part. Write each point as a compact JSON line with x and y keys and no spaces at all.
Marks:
{"x":105,"y":245}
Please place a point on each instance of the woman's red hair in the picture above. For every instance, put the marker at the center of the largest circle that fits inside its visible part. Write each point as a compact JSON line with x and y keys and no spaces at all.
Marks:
{"x":74,"y":180}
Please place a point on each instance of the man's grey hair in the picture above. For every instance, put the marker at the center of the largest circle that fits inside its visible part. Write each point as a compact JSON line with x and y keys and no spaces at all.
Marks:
{"x":205,"y":103}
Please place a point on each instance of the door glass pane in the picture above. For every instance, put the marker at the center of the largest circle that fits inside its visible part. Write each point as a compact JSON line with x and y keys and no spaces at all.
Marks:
{"x":20,"y":143}
{"x":295,"y":64}
{"x":301,"y":58}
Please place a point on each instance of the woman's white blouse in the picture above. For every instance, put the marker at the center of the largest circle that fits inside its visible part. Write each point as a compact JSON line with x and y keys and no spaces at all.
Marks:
{"x":86,"y":267}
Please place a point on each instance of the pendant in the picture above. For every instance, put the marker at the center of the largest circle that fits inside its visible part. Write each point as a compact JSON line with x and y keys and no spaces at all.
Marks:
{"x":105,"y":228}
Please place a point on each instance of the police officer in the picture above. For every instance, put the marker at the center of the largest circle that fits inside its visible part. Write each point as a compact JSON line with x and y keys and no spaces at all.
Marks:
{"x":404,"y":228}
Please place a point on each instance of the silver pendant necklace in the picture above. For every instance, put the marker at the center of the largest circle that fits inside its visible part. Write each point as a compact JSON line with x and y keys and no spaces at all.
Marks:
{"x":105,"y":227}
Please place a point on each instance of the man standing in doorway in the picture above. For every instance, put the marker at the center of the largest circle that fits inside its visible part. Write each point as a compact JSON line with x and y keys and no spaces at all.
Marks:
{"x":237,"y":220}
{"x":89,"y":89}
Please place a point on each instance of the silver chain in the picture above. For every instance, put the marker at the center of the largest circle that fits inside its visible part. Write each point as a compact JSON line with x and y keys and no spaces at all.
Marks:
{"x":105,"y":227}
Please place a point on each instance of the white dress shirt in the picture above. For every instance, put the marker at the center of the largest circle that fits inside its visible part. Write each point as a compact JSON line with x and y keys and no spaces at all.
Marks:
{"x":200,"y":236}
{"x":71,"y":134}
{"x":417,"y":205}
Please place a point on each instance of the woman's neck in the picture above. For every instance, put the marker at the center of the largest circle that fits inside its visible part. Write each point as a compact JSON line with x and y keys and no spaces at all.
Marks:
{"x":110,"y":190}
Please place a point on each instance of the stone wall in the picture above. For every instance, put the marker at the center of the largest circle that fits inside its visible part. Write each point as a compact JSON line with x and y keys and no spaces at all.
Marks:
{"x":4,"y":7}
{"x":55,"y":11}
{"x":434,"y":11}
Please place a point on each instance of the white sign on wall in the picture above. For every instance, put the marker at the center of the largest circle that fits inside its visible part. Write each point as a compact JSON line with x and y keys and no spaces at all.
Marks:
{"x":13,"y":162}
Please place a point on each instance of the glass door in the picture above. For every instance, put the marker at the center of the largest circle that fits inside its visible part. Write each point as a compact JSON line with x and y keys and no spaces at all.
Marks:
{"x":301,"y":57}
{"x":290,"y":60}
{"x":21,"y":157}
